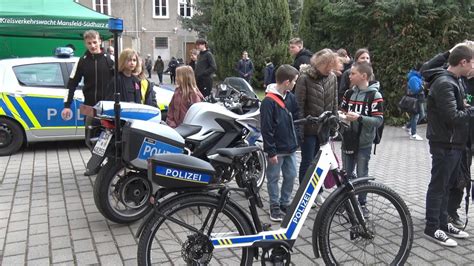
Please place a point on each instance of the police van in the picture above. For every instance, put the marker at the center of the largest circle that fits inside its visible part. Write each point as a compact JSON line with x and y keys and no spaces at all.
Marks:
{"x":32,"y":92}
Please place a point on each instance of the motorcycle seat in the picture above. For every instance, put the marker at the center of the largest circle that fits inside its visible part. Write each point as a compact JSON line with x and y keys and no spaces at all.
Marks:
{"x":186,"y":130}
{"x":234,"y":152}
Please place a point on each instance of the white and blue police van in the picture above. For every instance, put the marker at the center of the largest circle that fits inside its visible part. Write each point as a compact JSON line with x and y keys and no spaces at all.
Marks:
{"x":32,"y":92}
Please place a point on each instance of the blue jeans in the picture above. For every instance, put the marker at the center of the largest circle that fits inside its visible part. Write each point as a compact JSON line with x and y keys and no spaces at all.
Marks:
{"x":444,"y":170}
{"x":360,"y":161}
{"x":287,"y":165}
{"x":413,"y":122}
{"x":309,"y":148}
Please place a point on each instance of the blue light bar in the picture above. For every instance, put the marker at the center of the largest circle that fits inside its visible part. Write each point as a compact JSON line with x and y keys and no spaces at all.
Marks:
{"x":115,"y":24}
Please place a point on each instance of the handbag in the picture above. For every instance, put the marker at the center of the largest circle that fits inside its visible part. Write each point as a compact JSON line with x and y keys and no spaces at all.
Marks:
{"x":408,"y":104}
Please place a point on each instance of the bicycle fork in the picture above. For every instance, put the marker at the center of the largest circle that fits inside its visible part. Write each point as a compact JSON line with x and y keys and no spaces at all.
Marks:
{"x":355,"y":215}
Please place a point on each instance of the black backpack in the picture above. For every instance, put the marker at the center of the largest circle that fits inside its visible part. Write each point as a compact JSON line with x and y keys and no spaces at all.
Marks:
{"x":369,"y":98}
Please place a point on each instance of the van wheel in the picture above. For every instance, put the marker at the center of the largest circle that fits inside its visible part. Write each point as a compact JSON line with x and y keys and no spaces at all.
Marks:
{"x":11,"y":137}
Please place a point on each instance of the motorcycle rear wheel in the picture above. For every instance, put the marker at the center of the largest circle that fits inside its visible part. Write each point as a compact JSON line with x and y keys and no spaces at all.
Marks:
{"x":120,"y":195}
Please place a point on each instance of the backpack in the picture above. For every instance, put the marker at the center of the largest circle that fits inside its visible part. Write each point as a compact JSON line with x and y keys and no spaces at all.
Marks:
{"x":369,"y":98}
{"x":415,"y":85}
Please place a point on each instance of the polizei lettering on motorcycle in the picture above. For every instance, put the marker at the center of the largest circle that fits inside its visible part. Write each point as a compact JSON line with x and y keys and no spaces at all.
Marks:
{"x":183,"y":174}
{"x":301,"y":207}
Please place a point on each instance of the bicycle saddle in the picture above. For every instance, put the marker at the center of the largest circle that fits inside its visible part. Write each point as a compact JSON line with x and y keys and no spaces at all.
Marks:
{"x":234,"y":152}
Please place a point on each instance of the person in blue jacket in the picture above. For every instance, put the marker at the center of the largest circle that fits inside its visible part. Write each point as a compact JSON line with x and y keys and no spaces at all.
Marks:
{"x":415,"y":89}
{"x":277,"y":111}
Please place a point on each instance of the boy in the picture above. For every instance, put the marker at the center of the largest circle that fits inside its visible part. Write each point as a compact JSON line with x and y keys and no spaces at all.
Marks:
{"x":363,"y":107}
{"x":279,"y":138}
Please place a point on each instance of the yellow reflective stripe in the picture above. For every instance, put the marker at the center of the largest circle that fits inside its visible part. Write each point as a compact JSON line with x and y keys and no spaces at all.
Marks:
{"x":45,"y":128}
{"x":14,"y":111}
{"x":44,"y":96}
{"x":161,"y":106}
{"x":283,"y":236}
{"x":28,"y":112}
{"x":143,"y":87}
{"x":220,"y":242}
{"x":229,"y":241}
{"x":2,"y":112}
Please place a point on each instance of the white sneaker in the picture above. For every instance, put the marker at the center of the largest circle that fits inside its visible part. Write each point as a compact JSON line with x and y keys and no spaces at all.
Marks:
{"x":407,"y":129}
{"x":319,"y":201}
{"x":441,"y":238}
{"x":454,"y":232}
{"x":415,"y":137}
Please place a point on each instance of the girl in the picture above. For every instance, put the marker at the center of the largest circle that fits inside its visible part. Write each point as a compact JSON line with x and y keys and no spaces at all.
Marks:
{"x":128,"y":85}
{"x":185,"y":94}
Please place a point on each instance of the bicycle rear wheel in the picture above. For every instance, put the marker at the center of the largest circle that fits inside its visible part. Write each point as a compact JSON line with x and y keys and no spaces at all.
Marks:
{"x":166,"y":243}
{"x":389,"y":224}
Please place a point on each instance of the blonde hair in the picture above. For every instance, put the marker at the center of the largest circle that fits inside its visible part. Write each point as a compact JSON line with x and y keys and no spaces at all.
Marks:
{"x":324,"y":57}
{"x":126,"y":55}
{"x":186,"y":81}
{"x":139,"y":69}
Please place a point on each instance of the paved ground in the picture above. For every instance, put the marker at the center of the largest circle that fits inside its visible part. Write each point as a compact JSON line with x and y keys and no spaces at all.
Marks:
{"x":48,"y":216}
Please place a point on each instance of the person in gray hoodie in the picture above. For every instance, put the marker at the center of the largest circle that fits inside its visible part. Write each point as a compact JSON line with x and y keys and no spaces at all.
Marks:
{"x":363,"y":108}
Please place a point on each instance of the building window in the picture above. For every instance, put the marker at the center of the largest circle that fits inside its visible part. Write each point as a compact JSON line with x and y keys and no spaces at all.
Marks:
{"x":161,"y":42}
{"x":185,"y":8}
{"x":102,"y":6}
{"x":160,"y":9}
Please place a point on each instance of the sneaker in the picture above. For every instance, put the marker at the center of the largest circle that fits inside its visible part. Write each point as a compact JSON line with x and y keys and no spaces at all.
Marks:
{"x":365,"y":211}
{"x":284,"y":208}
{"x":407,"y":129}
{"x":441,"y":238}
{"x":415,"y":137}
{"x":319,"y":201}
{"x":456,"y":222}
{"x":275,"y":214}
{"x":454,"y":232}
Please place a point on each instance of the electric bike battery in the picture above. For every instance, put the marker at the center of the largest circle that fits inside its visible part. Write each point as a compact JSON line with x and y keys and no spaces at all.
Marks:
{"x":179,"y":171}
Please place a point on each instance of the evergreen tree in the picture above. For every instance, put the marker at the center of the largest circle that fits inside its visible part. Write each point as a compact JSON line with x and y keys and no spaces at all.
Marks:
{"x":398,"y":33}
{"x":262,"y":28}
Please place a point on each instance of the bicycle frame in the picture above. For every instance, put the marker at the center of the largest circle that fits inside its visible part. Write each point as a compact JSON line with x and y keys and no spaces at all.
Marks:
{"x":324,"y":162}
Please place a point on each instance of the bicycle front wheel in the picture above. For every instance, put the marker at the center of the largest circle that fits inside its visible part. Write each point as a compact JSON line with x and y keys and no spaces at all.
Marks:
{"x":163,"y":242}
{"x":389,"y":234}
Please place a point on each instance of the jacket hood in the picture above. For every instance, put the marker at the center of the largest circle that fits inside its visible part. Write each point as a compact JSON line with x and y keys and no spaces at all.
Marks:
{"x":413,"y":73}
{"x":304,"y":52}
{"x":271,"y":88}
{"x":373,"y":86}
{"x":432,"y":74}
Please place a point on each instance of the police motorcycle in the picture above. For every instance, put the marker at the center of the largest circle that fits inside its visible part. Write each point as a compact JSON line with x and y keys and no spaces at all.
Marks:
{"x":122,"y":189}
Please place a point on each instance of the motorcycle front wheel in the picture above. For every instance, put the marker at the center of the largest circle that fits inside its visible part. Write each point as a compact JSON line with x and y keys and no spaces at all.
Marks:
{"x":121,"y":195}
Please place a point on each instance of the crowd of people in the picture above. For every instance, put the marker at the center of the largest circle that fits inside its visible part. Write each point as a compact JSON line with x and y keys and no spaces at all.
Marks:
{"x":327,"y":80}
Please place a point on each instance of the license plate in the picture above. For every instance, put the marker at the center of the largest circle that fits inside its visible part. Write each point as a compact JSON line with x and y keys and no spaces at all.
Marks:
{"x":101,"y":145}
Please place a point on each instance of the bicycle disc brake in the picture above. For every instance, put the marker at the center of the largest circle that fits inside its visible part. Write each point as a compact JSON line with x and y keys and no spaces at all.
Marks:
{"x":198,"y":249}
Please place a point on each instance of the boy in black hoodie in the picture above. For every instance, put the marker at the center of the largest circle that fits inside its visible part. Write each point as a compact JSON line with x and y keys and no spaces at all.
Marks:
{"x":277,"y":112}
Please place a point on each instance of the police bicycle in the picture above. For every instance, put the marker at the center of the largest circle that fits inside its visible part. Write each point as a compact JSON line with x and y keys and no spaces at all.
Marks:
{"x":201,"y":224}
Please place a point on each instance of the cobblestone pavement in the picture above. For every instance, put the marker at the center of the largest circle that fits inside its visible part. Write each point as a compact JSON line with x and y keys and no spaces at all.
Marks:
{"x":48,"y":215}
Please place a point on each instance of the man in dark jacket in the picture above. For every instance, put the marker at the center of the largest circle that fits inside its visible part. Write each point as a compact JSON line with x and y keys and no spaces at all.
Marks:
{"x":245,"y":67}
{"x":268,"y":73}
{"x":301,"y":55}
{"x":278,"y":109}
{"x":447,"y":132}
{"x":97,"y":70}
{"x":159,"y":68}
{"x":205,"y":67}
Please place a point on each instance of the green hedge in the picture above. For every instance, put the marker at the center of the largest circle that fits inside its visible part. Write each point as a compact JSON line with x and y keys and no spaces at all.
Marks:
{"x":398,"y":33}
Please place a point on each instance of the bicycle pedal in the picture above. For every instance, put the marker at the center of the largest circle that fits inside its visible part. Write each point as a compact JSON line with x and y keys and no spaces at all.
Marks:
{"x":266,"y":227}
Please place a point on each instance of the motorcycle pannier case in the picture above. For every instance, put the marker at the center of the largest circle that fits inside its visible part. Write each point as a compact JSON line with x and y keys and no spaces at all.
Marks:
{"x":179,"y":171}
{"x":141,"y":140}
